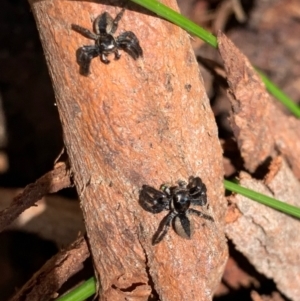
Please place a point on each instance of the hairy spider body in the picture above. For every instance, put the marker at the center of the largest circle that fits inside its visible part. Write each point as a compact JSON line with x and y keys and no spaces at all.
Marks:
{"x":105,"y":43}
{"x":177,"y":200}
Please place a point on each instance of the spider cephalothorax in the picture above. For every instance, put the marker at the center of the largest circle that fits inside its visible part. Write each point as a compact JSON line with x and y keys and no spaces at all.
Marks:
{"x":105,"y":43}
{"x":177,"y":200}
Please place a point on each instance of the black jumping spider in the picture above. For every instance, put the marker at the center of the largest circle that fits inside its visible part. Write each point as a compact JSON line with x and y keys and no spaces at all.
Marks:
{"x":177,"y":200}
{"x":105,"y":43}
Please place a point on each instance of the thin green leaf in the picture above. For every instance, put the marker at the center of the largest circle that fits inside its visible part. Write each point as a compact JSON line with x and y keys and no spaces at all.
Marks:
{"x":176,"y":18}
{"x":82,"y":292}
{"x":263,"y":199}
{"x":280,"y":95}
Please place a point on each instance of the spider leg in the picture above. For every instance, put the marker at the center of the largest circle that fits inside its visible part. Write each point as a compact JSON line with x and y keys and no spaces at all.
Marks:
{"x":84,"y":56}
{"x":197,"y":191}
{"x":130,"y":43}
{"x":153,"y":200}
{"x":198,"y":213}
{"x":85,"y":32}
{"x":199,"y":201}
{"x":117,"y":54}
{"x":163,"y":227}
{"x":104,"y":58}
{"x":181,"y":184}
{"x":116,"y":21}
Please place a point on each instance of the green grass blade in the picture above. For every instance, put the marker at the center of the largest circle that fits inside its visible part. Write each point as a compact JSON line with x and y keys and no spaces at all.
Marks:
{"x":280,"y":95}
{"x":183,"y":22}
{"x":263,"y":199}
{"x":178,"y":19}
{"x":82,"y":292}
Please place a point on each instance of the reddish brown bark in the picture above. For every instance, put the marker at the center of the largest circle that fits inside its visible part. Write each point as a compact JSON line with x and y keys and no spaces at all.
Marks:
{"x":132,"y":123}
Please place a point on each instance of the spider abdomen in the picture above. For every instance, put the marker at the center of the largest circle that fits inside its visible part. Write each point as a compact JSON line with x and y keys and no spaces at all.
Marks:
{"x":183,"y":226}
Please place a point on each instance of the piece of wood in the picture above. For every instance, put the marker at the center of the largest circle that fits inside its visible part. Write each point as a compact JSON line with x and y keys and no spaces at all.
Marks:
{"x":260,"y":128}
{"x":53,"y":181}
{"x":267,"y":237}
{"x":55,"y":272}
{"x":131,"y":123}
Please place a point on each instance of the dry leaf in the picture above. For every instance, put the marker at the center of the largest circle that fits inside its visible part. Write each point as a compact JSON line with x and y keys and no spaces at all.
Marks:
{"x":259,"y":127}
{"x":269,"y":238}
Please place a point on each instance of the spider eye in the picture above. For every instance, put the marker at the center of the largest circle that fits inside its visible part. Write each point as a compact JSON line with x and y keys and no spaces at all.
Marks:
{"x":182,"y":198}
{"x":181,"y":201}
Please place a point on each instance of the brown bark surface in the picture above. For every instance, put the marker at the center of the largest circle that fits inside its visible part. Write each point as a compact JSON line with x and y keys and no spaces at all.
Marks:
{"x":250,"y":106}
{"x":265,"y":236}
{"x":132,"y":123}
{"x":261,"y":129}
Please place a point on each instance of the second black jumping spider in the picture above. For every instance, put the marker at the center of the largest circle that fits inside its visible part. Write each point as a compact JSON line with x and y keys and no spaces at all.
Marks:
{"x":177,"y":200}
{"x":105,"y":43}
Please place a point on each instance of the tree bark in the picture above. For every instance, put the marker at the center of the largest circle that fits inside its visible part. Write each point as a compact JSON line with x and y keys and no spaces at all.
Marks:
{"x":131,"y":123}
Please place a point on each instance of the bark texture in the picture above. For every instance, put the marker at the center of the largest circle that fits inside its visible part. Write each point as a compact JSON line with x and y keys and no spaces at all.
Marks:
{"x":261,"y":129}
{"x":132,"y":123}
{"x":265,"y":236}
